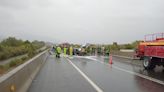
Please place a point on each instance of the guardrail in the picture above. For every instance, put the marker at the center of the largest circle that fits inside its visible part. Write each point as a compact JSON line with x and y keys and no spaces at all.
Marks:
{"x":20,"y":78}
{"x":125,"y":54}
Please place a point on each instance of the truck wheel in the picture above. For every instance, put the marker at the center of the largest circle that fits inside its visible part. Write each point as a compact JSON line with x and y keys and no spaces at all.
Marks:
{"x":148,"y":64}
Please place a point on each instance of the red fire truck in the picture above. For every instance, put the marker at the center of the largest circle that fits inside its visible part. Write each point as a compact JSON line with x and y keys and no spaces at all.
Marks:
{"x":151,"y":50}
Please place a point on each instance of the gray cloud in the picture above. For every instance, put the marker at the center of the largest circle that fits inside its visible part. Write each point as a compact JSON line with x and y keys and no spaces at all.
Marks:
{"x":81,"y":21}
{"x":16,"y":4}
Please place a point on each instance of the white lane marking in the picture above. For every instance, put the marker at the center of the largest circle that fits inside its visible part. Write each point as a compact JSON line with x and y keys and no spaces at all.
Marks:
{"x":140,"y":75}
{"x":91,"y":58}
{"x":98,"y":89}
{"x":134,"y":73}
{"x":70,"y":57}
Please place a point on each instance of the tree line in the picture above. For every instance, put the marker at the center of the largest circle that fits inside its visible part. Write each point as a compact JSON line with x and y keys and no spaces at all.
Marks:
{"x":11,"y":47}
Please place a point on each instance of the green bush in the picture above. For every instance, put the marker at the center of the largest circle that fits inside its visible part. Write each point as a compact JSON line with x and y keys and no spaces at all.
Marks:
{"x":128,"y":46}
{"x":4,"y":55}
{"x":13,"y":63}
{"x":11,"y":47}
{"x":31,"y":53}
{"x":31,"y":50}
{"x":24,"y":58}
{"x":12,"y":41}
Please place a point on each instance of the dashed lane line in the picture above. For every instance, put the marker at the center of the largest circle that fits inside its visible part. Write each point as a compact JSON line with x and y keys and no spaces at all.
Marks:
{"x":98,"y":89}
{"x":130,"y":72}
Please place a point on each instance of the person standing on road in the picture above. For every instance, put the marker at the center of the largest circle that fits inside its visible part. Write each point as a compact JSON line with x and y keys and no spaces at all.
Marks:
{"x":58,"y":52}
{"x":107,"y":50}
{"x":71,"y":51}
{"x":65,"y":51}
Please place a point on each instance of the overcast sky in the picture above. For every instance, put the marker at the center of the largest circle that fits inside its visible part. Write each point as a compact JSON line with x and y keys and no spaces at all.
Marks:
{"x":81,"y":21}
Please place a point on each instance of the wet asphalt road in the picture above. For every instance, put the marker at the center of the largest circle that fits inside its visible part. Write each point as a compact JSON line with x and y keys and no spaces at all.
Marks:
{"x":59,"y":75}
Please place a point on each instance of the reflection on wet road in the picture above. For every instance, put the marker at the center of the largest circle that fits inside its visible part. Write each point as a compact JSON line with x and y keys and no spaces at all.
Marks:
{"x":157,"y":73}
{"x":59,"y":75}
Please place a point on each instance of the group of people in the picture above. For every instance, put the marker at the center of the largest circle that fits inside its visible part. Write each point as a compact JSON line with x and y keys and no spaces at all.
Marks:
{"x":58,"y":50}
{"x":79,"y":51}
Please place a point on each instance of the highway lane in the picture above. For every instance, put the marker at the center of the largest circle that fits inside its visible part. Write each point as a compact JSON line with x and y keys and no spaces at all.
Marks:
{"x":111,"y":79}
{"x":58,"y":75}
{"x":61,"y":75}
{"x":128,"y":64}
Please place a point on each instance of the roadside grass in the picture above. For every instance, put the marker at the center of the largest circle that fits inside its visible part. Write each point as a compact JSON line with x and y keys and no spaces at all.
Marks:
{"x":12,"y":64}
{"x":16,"y":62}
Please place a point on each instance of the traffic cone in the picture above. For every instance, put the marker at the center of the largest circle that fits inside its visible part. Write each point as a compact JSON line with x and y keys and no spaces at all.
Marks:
{"x":110,"y":59}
